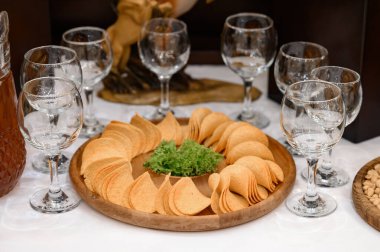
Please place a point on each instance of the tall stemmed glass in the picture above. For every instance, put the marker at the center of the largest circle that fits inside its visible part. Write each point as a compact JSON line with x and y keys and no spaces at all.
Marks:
{"x":312,"y":120}
{"x":50,"y":116}
{"x":164,"y":49}
{"x":51,"y":61}
{"x":94,"y":51}
{"x":294,"y":62}
{"x":249,"y":43}
{"x":350,"y":85}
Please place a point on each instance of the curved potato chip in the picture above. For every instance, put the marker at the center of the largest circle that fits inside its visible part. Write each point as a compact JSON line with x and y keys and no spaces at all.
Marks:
{"x":195,"y":122}
{"x":260,"y":169}
{"x":215,"y":202}
{"x":244,"y":134}
{"x":276,"y":170}
{"x":167,"y":127}
{"x":235,"y":202}
{"x":117,"y":185}
{"x":217,"y":133}
{"x":250,"y":148}
{"x":152,"y":133}
{"x":213,"y":181}
{"x":209,"y":123}
{"x":143,"y":193}
{"x":188,"y":199}
{"x":161,"y":194}
{"x":227,"y":132}
{"x":262,"y":192}
{"x":123,"y":139}
{"x":101,"y":148}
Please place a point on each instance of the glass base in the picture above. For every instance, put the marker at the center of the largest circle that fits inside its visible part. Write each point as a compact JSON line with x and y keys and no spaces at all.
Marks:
{"x":255,"y":118}
{"x":88,"y":131}
{"x":159,"y":114}
{"x":41,"y":202}
{"x":324,"y":205}
{"x":40,"y":163}
{"x":334,"y":178}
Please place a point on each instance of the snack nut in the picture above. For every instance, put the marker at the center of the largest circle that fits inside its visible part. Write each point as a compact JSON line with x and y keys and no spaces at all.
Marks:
{"x":371,"y":185}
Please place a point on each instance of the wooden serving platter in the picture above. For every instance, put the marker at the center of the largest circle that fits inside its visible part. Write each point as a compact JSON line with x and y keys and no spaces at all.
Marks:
{"x":365,"y":208}
{"x":206,"y":220}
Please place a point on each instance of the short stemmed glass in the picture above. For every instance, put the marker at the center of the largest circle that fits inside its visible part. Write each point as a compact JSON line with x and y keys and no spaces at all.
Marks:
{"x":348,"y":81}
{"x":51,"y":61}
{"x":312,"y":120}
{"x":164,"y":49}
{"x":94,"y":51}
{"x":248,"y":46}
{"x":294,"y":62}
{"x":50,"y":116}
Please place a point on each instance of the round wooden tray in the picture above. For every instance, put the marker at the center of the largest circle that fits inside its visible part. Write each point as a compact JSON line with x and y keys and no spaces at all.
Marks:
{"x":368,"y":211}
{"x":206,"y":220}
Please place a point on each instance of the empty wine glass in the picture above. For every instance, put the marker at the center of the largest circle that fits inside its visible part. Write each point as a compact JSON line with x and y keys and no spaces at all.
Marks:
{"x":312,"y":120}
{"x":249,"y":43}
{"x":94,"y":51}
{"x":294,"y":62}
{"x":53,"y":61}
{"x":50,"y":116}
{"x":164,"y":49}
{"x":349,"y":83}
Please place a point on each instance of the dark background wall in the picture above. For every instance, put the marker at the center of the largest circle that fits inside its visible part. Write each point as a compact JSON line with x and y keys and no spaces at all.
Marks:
{"x":349,"y":29}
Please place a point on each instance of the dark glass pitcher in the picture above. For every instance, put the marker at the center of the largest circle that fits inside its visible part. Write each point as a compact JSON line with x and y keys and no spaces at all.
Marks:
{"x":12,"y":146}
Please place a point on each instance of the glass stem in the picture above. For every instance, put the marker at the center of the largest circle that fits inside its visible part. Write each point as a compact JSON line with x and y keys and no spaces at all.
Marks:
{"x":247,"y":113}
{"x":311,"y":193}
{"x":164,"y":104}
{"x":89,"y":113}
{"x":55,"y":192}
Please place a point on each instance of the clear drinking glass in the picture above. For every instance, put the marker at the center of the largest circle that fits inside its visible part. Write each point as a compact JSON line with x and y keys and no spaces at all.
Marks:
{"x":348,"y":81}
{"x":50,"y":116}
{"x":294,"y":62}
{"x":312,"y":120}
{"x":94,"y":51}
{"x":249,"y":43}
{"x":51,"y":61}
{"x":164,"y":49}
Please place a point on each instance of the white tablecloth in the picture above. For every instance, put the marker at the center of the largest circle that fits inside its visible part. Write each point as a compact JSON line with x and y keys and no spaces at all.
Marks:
{"x":23,"y":229}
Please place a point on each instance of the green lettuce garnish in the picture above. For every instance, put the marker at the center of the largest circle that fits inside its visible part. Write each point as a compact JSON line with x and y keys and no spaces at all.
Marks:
{"x":190,"y":159}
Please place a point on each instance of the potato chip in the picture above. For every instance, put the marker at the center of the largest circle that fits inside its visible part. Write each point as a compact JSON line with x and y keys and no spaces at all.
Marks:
{"x":152,"y":133}
{"x":101,"y":149}
{"x":234,"y":201}
{"x":218,"y":132}
{"x":244,"y":134}
{"x":250,"y":148}
{"x":135,"y":134}
{"x":213,"y":181}
{"x":209,"y":123}
{"x":259,"y":168}
{"x":185,"y":132}
{"x":276,"y":170}
{"x":123,"y":139}
{"x":215,"y":196}
{"x":117,"y":185}
{"x":143,"y":193}
{"x":195,"y":122}
{"x":188,"y":199}
{"x":167,"y":127}
{"x":262,"y":192}
{"x":227,"y":132}
{"x":161,"y":194}
{"x":170,"y":202}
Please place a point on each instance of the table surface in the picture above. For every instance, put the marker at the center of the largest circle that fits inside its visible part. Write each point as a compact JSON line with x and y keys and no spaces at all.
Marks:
{"x":22,"y":228}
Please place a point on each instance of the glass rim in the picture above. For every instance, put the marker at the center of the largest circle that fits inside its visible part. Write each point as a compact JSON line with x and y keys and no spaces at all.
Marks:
{"x":183,"y":29}
{"x":322,"y":49}
{"x":90,"y":28}
{"x":63,"y":48}
{"x":356,"y":74}
{"x":72,"y":84}
{"x":252,"y":14}
{"x":301,"y":83}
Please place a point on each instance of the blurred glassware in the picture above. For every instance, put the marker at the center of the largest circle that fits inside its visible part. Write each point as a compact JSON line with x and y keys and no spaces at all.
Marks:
{"x":348,"y":81}
{"x":94,"y":52}
{"x":50,"y":117}
{"x":312,"y":120}
{"x":294,"y":62}
{"x":51,"y":61}
{"x":249,"y":42}
{"x":164,"y":48}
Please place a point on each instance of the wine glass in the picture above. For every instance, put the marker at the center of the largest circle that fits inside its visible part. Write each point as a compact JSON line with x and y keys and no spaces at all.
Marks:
{"x":350,"y":85}
{"x":50,"y":116}
{"x":248,"y":45}
{"x":94,"y":51}
{"x":164,"y":49}
{"x":53,"y":61}
{"x":312,"y":120}
{"x":294,"y":62}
